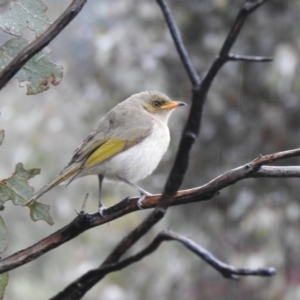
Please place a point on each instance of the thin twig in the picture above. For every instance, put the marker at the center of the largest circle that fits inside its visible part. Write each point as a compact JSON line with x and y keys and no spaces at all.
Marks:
{"x":248,"y":8}
{"x":269,"y":158}
{"x":194,"y":78}
{"x":224,"y":56}
{"x":249,"y":58}
{"x":226,"y":270}
{"x":41,"y":42}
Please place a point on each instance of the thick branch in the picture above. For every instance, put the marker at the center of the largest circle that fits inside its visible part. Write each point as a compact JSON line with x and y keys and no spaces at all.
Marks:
{"x":83,"y":222}
{"x":41,"y":42}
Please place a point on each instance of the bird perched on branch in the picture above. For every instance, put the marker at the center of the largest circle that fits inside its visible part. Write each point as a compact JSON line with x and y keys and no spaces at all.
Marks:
{"x":126,"y":147}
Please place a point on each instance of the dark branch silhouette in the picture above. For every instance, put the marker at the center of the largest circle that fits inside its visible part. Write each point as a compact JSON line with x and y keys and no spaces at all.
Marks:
{"x":84,"y":221}
{"x":193,"y":76}
{"x":247,"y":58}
{"x":225,"y":270}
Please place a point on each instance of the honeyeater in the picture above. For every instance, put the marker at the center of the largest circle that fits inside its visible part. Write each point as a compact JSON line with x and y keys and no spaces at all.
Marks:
{"x":127,"y":145}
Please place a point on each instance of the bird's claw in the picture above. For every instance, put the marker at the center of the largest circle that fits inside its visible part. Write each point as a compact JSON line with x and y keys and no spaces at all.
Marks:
{"x":141,"y":199}
{"x":101,"y":210}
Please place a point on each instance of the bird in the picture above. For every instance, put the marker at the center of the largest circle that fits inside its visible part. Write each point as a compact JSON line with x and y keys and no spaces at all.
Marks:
{"x":127,"y":145}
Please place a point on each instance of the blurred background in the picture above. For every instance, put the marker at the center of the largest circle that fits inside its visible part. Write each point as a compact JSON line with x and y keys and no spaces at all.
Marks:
{"x":114,"y":49}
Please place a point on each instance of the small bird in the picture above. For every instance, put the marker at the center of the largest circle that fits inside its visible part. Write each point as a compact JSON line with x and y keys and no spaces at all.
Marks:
{"x":126,"y":147}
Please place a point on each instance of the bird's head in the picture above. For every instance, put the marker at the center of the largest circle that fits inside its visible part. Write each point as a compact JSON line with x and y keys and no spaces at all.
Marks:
{"x":158,"y":104}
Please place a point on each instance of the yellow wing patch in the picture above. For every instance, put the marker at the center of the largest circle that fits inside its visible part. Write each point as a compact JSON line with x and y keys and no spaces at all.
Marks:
{"x":105,"y":151}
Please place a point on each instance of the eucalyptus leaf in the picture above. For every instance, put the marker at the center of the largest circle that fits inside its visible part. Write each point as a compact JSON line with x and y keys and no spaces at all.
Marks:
{"x":16,"y":187}
{"x":40,"y":211}
{"x":24,"y":14}
{"x":37,"y":72}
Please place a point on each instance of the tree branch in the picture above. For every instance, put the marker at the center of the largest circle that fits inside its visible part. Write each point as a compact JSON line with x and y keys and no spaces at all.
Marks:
{"x":83,"y":222}
{"x":41,"y":42}
{"x":226,"y":270}
{"x":224,"y":55}
{"x":248,"y":8}
{"x":193,"y":76}
{"x":247,"y":58}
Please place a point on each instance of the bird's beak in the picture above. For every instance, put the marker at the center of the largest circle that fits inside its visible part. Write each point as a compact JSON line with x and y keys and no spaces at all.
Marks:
{"x":173,"y":104}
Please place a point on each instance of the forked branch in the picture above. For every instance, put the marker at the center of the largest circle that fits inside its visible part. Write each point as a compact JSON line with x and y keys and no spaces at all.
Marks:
{"x":226,"y":270}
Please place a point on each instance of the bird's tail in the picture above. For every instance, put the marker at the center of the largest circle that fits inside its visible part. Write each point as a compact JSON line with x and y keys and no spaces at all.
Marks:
{"x":63,"y":176}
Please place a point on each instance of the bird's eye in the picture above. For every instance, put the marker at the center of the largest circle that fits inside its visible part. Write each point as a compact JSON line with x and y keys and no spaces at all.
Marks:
{"x":156,"y":104}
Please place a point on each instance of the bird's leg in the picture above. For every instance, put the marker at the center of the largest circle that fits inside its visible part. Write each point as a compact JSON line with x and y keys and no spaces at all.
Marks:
{"x":101,"y":207}
{"x":142,"y":192}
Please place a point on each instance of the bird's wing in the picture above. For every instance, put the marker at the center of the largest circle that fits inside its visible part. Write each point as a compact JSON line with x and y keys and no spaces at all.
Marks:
{"x":112,"y":147}
{"x":88,"y":145}
{"x":117,"y":132}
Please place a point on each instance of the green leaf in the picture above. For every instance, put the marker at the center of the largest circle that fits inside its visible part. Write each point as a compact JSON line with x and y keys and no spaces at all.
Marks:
{"x":3,"y":283}
{"x":27,"y":174}
{"x":3,"y":235}
{"x":37,"y":72}
{"x":24,"y":14}
{"x":2,"y":134}
{"x":16,"y":187}
{"x":40,"y":211}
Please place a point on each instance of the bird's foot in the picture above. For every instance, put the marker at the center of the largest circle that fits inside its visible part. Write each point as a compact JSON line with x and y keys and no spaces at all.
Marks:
{"x":101,"y":210}
{"x":141,"y":199}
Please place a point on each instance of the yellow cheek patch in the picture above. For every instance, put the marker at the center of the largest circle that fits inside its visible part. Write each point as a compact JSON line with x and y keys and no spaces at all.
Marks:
{"x":105,"y":151}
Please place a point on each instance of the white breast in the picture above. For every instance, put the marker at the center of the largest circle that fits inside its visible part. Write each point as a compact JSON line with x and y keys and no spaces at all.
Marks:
{"x":139,"y":161}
